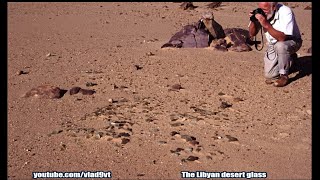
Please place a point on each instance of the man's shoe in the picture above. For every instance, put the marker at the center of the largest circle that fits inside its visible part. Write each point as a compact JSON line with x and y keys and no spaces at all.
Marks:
{"x":270,"y":81}
{"x":282,"y":81}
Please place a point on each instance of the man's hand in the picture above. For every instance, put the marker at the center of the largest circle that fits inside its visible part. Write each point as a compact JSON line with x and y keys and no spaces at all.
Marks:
{"x":263,"y":21}
{"x":254,"y":26}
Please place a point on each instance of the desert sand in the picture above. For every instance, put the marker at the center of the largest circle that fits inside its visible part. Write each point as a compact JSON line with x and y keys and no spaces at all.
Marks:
{"x":136,"y":126}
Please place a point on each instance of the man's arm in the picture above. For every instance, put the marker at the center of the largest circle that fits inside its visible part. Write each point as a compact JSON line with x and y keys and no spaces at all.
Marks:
{"x":278,"y":35}
{"x":254,"y":28}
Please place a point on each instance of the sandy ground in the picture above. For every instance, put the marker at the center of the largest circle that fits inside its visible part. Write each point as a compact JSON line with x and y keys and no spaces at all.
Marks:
{"x":224,"y":119}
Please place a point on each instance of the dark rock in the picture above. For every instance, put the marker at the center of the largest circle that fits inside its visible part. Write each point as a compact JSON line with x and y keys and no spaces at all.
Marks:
{"x":46,"y":91}
{"x":174,"y":133}
{"x":74,"y":90}
{"x":214,"y":5}
{"x":88,"y":84}
{"x":192,"y":158}
{"x":176,"y":87}
{"x":225,"y":105}
{"x":87,"y":91}
{"x":188,"y":138}
{"x":187,"y":6}
{"x":230,"y":138}
{"x":125,"y":140}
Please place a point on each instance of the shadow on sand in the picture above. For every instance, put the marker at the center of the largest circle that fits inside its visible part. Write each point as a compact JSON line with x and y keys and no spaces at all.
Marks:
{"x":302,"y":65}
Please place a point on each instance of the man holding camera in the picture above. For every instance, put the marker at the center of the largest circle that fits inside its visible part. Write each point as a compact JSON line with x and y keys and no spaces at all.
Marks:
{"x":283,"y":36}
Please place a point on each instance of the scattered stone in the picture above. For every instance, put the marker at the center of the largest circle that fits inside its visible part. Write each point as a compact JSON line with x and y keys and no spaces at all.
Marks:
{"x":162,"y":142}
{"x":97,"y":136}
{"x":177,"y":150}
{"x":192,"y":158}
{"x":237,"y":99}
{"x":63,"y":147}
{"x":177,"y":124}
{"x":216,"y":137}
{"x":174,"y":133}
{"x":46,"y":91}
{"x":221,"y":93}
{"x":55,"y":132}
{"x":188,"y":138}
{"x":74,"y":90}
{"x":194,"y":142}
{"x":214,"y":5}
{"x":230,"y":138}
{"x":21,"y":72}
{"x":138,"y":67}
{"x":176,"y":87}
{"x":225,"y":105}
{"x":121,"y":87}
{"x":87,"y":91}
{"x":149,"y":120}
{"x":123,"y":134}
{"x":150,"y":54}
{"x":88,"y":84}
{"x":125,"y":140}
{"x":187,"y":6}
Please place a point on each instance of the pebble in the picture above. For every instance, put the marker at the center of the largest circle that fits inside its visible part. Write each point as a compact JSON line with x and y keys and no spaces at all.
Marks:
{"x":63,"y":147}
{"x":45,"y":91}
{"x":150,"y":54}
{"x":21,"y":72}
{"x":88,"y":84}
{"x":188,"y":138}
{"x":138,"y":67}
{"x":192,"y":158}
{"x":230,"y":138}
{"x":174,"y":133}
{"x":225,"y":105}
{"x":74,"y":90}
{"x":237,"y":99}
{"x":124,"y":140}
{"x":87,"y":91}
{"x":162,"y":142}
{"x":194,"y":142}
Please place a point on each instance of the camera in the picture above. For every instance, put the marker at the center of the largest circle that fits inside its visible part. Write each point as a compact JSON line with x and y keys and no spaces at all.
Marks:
{"x":257,"y":11}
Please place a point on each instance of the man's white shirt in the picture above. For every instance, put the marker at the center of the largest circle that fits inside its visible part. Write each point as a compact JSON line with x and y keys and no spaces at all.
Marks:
{"x":284,"y":21}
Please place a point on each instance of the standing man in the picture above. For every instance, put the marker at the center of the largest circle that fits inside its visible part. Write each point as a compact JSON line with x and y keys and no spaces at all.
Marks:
{"x":284,"y":40}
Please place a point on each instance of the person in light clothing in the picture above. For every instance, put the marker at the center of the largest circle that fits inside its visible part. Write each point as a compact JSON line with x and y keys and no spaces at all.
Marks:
{"x":284,"y":40}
